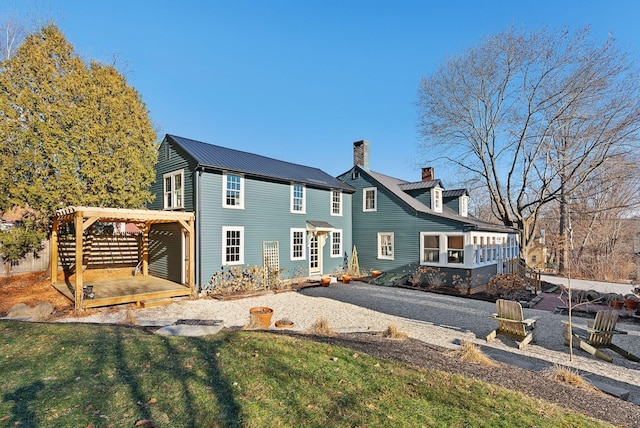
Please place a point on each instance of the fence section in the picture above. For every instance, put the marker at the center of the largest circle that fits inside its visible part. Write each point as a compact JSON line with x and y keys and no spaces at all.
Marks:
{"x":100,"y":252}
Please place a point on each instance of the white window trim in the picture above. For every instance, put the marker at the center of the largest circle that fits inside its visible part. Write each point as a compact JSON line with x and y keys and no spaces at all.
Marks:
{"x":331,"y":203}
{"x":172,"y":175}
{"x":463,"y":249}
{"x":443,"y":249}
{"x":436,"y":199}
{"x":464,"y":206}
{"x":393,"y":246}
{"x":422,"y":248}
{"x":226,"y":229}
{"x":364,"y":199}
{"x":224,"y":192}
{"x":304,"y":243}
{"x":304,"y":199}
{"x":331,"y":243}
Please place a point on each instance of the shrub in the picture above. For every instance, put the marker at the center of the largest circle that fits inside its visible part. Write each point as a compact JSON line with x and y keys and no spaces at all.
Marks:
{"x":321,"y":328}
{"x":392,"y":332}
{"x":241,"y":279}
{"x":429,"y":276}
{"x":509,"y":286}
{"x":566,"y":375}
{"x":470,"y":352}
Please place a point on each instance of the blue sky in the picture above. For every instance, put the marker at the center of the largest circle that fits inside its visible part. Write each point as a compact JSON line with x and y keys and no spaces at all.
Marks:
{"x":301,"y":80}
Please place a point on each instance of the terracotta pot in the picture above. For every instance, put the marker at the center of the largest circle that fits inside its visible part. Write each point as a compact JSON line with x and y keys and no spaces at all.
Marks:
{"x":631,"y":304}
{"x":325,"y":282}
{"x":376,"y":273}
{"x":617,"y":304}
{"x":346,"y":279}
{"x":280,"y":324}
{"x":262,"y":314}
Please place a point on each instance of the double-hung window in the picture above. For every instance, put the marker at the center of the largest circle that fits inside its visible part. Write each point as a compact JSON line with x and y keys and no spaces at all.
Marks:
{"x":336,"y":202}
{"x":455,"y":249}
{"x":173,"y":190}
{"x":233,"y":245}
{"x":336,"y":243}
{"x":233,"y":191}
{"x":370,"y":199}
{"x":298,"y":244}
{"x":436,"y":199}
{"x":385,"y":245}
{"x":464,"y":206}
{"x":298,"y":204}
{"x":431,"y":248}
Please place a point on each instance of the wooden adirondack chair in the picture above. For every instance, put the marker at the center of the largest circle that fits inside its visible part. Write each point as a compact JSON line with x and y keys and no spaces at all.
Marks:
{"x":511,"y":323}
{"x":598,"y":335}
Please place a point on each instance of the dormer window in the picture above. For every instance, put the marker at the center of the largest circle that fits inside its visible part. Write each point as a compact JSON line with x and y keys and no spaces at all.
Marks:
{"x":436,"y":199}
{"x":464,"y":206}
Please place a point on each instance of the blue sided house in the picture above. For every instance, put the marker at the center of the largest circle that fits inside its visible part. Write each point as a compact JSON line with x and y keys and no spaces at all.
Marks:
{"x":250,"y":210}
{"x":399,"y":226}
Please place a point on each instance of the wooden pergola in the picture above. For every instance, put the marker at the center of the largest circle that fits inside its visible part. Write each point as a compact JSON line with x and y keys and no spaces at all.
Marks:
{"x":84,"y":217}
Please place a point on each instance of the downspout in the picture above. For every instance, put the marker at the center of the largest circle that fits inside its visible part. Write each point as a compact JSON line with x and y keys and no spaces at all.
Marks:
{"x":198,"y":226}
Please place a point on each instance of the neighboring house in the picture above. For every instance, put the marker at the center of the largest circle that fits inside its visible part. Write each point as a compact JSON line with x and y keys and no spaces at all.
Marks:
{"x":399,"y":225}
{"x":537,"y":253}
{"x":250,"y":211}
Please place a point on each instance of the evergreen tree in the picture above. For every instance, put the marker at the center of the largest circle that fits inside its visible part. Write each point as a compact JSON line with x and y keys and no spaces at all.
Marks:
{"x":72,"y":133}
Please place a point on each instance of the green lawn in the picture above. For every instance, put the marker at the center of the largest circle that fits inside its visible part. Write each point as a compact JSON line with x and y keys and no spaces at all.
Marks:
{"x":69,"y":375}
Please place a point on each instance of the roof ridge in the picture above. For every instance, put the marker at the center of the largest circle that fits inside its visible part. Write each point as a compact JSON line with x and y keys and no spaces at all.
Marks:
{"x":214,"y":156}
{"x":244,"y":152}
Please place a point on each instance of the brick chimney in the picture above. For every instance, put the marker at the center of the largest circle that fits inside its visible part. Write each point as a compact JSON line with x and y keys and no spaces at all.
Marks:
{"x":427,"y":173}
{"x":361,"y":154}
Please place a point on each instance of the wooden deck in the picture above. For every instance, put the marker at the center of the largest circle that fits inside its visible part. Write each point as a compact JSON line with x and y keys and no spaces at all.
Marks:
{"x":116,"y":291}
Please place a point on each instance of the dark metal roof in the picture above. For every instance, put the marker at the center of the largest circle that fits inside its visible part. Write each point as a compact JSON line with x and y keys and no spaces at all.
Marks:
{"x":454,"y":193}
{"x":428,"y":184}
{"x":222,"y":158}
{"x":396,"y":186}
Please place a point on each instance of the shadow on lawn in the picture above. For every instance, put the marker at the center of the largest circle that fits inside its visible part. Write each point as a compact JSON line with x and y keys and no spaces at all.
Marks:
{"x":24,"y":400}
{"x":174,"y":365}
{"x":108,"y":376}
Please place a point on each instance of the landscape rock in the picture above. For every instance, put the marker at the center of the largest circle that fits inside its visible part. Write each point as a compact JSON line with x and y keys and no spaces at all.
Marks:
{"x":41,"y":312}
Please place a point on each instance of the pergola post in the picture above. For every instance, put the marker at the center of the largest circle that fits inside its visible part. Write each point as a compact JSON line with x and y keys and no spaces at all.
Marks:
{"x":77,"y":221}
{"x":53,"y":249}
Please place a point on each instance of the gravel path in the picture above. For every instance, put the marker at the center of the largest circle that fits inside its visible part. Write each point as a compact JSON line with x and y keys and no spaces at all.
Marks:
{"x":434,"y":319}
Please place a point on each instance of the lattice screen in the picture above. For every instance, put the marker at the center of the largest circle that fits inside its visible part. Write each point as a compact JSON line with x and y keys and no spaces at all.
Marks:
{"x":271,"y":259}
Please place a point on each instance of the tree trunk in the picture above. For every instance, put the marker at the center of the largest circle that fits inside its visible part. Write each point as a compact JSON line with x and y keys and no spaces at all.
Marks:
{"x":563,"y":259}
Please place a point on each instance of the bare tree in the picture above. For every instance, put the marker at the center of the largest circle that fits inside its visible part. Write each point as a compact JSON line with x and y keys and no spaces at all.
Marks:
{"x":15,"y":25}
{"x":12,"y":34}
{"x":533,"y":115}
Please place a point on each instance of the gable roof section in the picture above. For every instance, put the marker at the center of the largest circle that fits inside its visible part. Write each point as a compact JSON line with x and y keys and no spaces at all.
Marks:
{"x":397,"y":186}
{"x":428,"y":184}
{"x":225,"y":159}
{"x":454,"y":193}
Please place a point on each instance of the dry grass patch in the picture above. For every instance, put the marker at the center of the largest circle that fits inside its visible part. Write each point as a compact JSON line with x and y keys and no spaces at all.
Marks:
{"x":254,"y":324}
{"x":392,"y":332}
{"x":566,"y":375}
{"x":130,"y":317}
{"x":321,"y":328}
{"x":470,"y":352}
